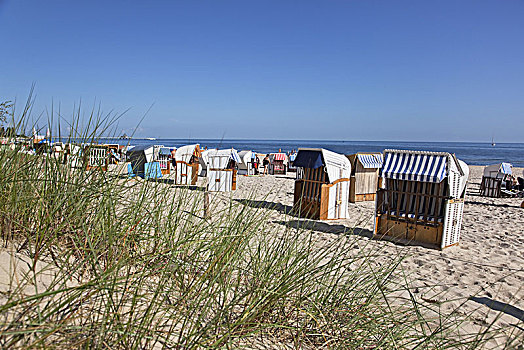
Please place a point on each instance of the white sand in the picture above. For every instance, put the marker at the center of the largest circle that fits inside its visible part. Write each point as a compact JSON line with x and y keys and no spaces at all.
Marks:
{"x":488,"y":263}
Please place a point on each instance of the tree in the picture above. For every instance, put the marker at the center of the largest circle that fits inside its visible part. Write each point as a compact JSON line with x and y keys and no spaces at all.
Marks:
{"x":6,"y":111}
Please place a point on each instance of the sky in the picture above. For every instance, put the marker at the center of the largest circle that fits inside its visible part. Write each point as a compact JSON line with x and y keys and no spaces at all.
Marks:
{"x":337,"y":70}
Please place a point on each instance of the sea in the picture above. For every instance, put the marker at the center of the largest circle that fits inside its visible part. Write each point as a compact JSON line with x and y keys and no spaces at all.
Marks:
{"x":470,"y":152}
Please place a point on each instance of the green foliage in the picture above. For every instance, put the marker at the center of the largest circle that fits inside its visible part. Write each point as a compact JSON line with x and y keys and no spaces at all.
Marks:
{"x":98,"y":261}
{"x":6,"y":111}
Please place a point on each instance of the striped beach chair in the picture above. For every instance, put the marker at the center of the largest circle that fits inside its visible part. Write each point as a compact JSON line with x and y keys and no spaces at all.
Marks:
{"x":278,"y":163}
{"x":422,"y":198}
{"x":364,"y":176}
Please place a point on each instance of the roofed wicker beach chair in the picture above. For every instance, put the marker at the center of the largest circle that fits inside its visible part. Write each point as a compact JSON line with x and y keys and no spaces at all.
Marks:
{"x":96,"y":157}
{"x":322,"y":189}
{"x":245,"y":166}
{"x":221,"y":170}
{"x":278,"y":164}
{"x":364,"y":176}
{"x":497,"y":180}
{"x":422,"y":198}
{"x":187,"y":164}
{"x":143,"y":162}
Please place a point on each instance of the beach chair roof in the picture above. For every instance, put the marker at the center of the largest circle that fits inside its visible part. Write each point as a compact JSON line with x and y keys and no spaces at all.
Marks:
{"x":164,"y":151}
{"x":185,"y":153}
{"x":139,"y":148}
{"x":146,"y":150}
{"x":246,"y":156}
{"x":203,"y":159}
{"x":420,"y":165}
{"x":278,"y":156}
{"x":309,"y":158}
{"x":498,"y":170}
{"x":370,"y":160}
{"x":337,"y":165}
{"x":219,"y":159}
{"x":231,"y":153}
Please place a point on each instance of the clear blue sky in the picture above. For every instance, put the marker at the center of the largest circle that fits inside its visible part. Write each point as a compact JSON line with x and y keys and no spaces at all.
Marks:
{"x":347,"y":70}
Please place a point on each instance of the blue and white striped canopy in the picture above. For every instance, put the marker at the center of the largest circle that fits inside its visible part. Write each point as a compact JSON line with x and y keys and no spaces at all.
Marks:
{"x":415,"y":166}
{"x":505,"y":168}
{"x":370,"y":160}
{"x":234,"y":155}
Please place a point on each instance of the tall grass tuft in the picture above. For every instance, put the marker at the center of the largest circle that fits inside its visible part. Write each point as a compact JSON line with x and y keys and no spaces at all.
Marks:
{"x":93,"y":260}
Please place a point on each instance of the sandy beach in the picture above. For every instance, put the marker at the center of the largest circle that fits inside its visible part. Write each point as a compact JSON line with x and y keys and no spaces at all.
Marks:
{"x":481,"y":278}
{"x":487,"y":267}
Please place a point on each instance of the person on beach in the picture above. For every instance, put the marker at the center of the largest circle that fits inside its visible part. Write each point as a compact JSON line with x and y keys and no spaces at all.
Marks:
{"x":255,"y":165}
{"x":520,"y":183}
{"x":173,"y":160}
{"x":265,"y":163}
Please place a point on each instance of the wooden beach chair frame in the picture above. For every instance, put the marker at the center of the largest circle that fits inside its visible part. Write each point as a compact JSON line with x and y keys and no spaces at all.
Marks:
{"x":96,"y":157}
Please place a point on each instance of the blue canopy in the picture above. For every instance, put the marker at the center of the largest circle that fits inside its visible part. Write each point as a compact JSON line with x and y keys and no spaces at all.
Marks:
{"x":164,"y":151}
{"x":308,"y":159}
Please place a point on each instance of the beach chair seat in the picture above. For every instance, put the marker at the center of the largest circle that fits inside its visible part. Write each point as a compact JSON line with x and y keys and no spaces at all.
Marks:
{"x":421,"y":218}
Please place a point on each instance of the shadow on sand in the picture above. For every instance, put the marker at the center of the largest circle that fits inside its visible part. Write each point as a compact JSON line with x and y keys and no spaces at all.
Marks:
{"x":284,"y":177}
{"x":281,"y":208}
{"x":306,"y":224}
{"x":500,"y":306}
{"x":171,"y":182}
{"x":320,"y":226}
{"x":492,"y":204}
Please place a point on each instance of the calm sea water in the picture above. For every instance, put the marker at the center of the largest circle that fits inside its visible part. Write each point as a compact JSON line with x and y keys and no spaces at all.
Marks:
{"x":471,"y":153}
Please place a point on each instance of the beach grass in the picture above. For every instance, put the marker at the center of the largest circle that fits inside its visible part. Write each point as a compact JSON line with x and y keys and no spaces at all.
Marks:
{"x":94,"y":260}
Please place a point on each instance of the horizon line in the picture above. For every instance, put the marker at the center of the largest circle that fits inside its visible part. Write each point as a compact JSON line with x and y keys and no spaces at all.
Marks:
{"x":307,"y":140}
